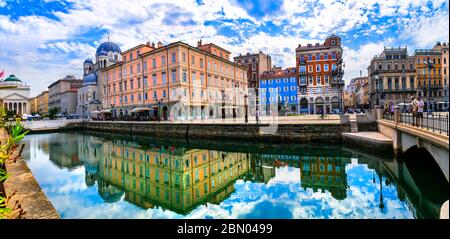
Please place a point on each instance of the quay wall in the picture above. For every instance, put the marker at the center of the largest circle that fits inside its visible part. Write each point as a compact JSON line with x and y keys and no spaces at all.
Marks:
{"x":299,"y":133}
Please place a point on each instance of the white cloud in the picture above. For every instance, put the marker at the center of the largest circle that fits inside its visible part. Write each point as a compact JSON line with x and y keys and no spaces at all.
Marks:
{"x":426,"y":31}
{"x":41,"y":50}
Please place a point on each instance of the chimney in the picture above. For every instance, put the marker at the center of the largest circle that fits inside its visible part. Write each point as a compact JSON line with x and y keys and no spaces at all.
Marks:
{"x":160,"y":44}
{"x":199,"y":43}
{"x":153,"y":44}
{"x":148,"y":44}
{"x":299,"y":45}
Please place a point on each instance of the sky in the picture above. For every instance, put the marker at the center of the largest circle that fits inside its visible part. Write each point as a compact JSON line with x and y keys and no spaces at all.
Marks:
{"x":44,"y":40}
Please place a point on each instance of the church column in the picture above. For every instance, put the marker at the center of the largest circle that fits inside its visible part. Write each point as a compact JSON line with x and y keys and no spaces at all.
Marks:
{"x":19,"y":108}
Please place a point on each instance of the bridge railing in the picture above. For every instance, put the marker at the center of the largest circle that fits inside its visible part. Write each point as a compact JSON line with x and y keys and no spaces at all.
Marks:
{"x":435,"y":122}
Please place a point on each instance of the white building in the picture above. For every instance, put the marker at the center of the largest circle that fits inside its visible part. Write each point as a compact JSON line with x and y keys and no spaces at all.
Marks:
{"x":89,"y":95}
{"x":14,"y":95}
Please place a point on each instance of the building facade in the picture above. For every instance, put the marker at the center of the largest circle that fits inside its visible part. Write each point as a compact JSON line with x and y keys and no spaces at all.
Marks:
{"x":255,"y":64}
{"x":42,"y":103}
{"x":62,"y":94}
{"x":278,"y":87}
{"x":15,"y":95}
{"x":392,"y":77}
{"x":89,"y":95}
{"x":175,"y":81}
{"x":320,"y":73}
{"x":432,"y":68}
{"x":33,"y":105}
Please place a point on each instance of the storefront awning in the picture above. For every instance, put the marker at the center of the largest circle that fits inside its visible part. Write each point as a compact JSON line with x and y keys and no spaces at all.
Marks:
{"x":105,"y":111}
{"x":140,"y":109}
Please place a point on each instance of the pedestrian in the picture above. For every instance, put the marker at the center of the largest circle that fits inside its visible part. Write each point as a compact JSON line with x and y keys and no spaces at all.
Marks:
{"x":420,"y":106}
{"x":414,"y":107}
{"x":391,"y":108}
{"x":257,"y":116}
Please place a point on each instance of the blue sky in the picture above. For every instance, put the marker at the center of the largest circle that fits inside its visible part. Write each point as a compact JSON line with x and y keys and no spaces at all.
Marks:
{"x":44,"y":40}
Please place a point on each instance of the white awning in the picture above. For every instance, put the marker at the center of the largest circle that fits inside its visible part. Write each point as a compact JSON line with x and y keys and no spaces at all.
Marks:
{"x":105,"y":111}
{"x":139,"y":109}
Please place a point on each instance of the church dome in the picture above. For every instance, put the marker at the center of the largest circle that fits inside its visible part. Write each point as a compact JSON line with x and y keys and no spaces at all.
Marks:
{"x":90,"y":79}
{"x":88,"y":61}
{"x":108,"y":47}
{"x":12,"y":79}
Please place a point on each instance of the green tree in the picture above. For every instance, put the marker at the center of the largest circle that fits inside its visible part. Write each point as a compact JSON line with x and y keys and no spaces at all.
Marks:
{"x":52,"y":113}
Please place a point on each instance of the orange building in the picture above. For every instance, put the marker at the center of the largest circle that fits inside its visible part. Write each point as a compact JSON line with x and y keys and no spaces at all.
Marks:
{"x":175,"y":81}
{"x":320,"y":75}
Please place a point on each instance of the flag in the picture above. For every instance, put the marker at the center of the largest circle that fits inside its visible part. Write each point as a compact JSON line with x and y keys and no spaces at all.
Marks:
{"x":2,"y":73}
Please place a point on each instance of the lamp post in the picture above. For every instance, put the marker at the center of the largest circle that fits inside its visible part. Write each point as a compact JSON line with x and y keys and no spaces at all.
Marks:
{"x":246,"y":108}
{"x":377,"y":86}
{"x":159,"y":109}
{"x":429,"y":67}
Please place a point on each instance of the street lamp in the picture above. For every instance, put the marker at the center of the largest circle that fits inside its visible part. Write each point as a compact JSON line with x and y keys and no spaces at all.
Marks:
{"x":159,"y":109}
{"x":246,"y":108}
{"x":377,"y":90}
{"x":429,"y":66}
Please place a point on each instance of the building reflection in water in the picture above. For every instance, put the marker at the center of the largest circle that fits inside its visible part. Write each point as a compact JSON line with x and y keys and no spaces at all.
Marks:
{"x":175,"y":178}
{"x":180,"y":179}
{"x":325,"y":173}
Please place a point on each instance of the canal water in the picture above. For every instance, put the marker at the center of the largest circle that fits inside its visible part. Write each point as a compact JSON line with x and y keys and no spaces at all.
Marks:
{"x":87,"y":175}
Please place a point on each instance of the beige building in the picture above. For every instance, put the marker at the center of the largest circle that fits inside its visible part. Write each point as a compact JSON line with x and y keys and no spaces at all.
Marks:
{"x":33,"y":105}
{"x":62,"y":94}
{"x":42,"y":102}
{"x":391,"y":77}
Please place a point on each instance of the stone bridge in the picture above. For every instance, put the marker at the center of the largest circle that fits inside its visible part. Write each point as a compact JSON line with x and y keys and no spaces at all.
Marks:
{"x":406,"y":137}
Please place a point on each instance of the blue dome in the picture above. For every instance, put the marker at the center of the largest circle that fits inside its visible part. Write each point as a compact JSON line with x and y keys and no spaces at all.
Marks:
{"x":102,"y":53}
{"x":88,"y":61}
{"x":108,"y":47}
{"x":90,"y":79}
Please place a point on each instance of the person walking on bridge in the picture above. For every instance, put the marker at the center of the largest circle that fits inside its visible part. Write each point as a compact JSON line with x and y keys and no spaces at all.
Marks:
{"x":420,"y":106}
{"x":414,"y":107}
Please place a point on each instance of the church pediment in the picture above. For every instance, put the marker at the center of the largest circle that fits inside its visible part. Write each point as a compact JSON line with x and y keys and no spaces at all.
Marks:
{"x":15,"y":96}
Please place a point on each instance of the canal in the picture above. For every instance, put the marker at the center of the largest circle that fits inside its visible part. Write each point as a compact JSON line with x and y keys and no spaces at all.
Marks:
{"x":91,"y":175}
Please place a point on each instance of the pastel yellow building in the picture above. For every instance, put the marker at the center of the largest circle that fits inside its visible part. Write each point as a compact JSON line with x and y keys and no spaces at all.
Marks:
{"x":175,"y":178}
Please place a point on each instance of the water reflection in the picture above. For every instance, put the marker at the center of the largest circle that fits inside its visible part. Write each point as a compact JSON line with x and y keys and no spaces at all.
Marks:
{"x":143,"y":178}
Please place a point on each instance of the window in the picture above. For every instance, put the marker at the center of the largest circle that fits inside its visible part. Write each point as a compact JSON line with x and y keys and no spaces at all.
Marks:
{"x":131,"y":70}
{"x":302,"y":68}
{"x":317,"y":57}
{"x":325,"y":57}
{"x":131,"y":56}
{"x":183,"y":57}
{"x":209,"y":65}
{"x":326,"y":79}
{"x":310,"y":80}
{"x":155,"y":95}
{"x":164,"y":94}
{"x":154,"y":63}
{"x":131,"y":84}
{"x":310,"y":69}
{"x":145,"y":65}
{"x":309,"y":57}
{"x":174,"y":57}
{"x":193,"y":76}
{"x":333,"y":56}
{"x":325,"y":67}
{"x":174,"y":76}
{"x":184,"y":76}
{"x":193,"y":60}
{"x":154,"y":79}
{"x":202,"y":78}
{"x":318,"y":80}
{"x":138,"y":67}
{"x":144,"y":81}
{"x":163,"y":60}
{"x":163,"y":77}
{"x":317,"y":68}
{"x":201,"y":62}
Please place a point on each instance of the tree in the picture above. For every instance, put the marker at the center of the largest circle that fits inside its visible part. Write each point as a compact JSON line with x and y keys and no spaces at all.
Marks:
{"x":52,"y":113}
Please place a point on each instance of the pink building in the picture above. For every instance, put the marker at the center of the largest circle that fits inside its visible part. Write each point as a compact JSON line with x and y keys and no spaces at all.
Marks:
{"x":175,"y":81}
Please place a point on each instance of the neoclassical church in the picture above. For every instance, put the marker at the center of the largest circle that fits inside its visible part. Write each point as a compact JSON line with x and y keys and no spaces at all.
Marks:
{"x":14,"y":95}
{"x":90,"y":94}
